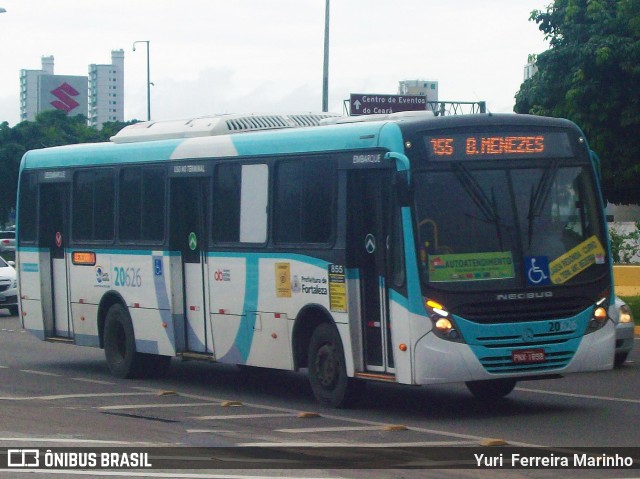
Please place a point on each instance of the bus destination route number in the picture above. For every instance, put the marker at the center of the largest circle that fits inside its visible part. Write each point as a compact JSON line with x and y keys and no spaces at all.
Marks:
{"x":492,"y":145}
{"x":471,"y":147}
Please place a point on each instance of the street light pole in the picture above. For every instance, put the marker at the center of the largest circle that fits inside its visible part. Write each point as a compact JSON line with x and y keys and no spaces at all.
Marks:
{"x":148,"y":77}
{"x":325,"y":69}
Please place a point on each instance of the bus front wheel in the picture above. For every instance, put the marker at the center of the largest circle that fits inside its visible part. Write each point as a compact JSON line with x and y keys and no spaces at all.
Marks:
{"x":492,"y":388}
{"x":327,"y":372}
{"x":120,"y":344}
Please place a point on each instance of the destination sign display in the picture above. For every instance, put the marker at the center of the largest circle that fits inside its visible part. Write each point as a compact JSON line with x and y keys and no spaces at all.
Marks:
{"x":502,"y":145}
{"x":373,"y":104}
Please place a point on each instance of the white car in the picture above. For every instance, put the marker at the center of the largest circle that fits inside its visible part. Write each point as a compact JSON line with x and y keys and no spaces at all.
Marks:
{"x":8,"y":287}
{"x":625,"y":325}
{"x":7,"y":241}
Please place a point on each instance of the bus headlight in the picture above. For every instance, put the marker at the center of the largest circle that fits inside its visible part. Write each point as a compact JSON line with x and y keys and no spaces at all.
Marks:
{"x":625,"y":314}
{"x":443,"y":324}
{"x":599,"y":316}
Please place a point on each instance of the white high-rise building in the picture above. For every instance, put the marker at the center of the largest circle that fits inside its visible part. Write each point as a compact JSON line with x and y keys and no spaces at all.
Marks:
{"x":530,"y":68}
{"x":426,"y":88}
{"x":106,"y":91}
{"x":29,"y":91}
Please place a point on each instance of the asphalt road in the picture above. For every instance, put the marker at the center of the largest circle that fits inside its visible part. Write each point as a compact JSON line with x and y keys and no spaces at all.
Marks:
{"x":55,"y":395}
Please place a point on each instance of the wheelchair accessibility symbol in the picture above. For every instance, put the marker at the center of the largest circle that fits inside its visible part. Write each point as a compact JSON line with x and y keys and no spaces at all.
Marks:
{"x":537,"y":270}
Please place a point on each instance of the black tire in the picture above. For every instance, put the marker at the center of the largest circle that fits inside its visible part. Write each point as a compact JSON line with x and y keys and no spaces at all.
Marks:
{"x":120,"y":344}
{"x":619,"y":359}
{"x":491,"y":389}
{"x":327,"y":372}
{"x":13,"y":311}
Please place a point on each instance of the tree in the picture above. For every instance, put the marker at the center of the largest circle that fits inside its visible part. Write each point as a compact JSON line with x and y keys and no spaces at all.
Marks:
{"x":51,"y":128}
{"x":591,"y":75}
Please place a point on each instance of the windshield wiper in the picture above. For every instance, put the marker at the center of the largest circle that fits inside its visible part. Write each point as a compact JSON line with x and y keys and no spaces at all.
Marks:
{"x":488,"y":207}
{"x":538,"y":197}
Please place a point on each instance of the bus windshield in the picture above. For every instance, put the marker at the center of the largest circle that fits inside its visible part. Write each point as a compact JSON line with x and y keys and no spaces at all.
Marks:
{"x":489,"y":226}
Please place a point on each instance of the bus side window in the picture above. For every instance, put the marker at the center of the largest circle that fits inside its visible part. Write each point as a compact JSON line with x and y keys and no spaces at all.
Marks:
{"x":304,"y":201}
{"x":240,"y":202}
{"x":93,"y":205}
{"x":142,"y":204}
{"x":28,"y":207}
{"x":226,"y":203}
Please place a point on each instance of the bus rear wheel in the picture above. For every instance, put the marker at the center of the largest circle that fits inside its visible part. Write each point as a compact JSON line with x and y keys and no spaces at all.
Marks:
{"x":327,"y":372}
{"x":120,"y":344}
{"x":492,"y":388}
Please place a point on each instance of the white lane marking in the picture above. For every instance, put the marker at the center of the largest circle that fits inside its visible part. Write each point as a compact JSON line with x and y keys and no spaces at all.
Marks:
{"x":582,"y":396}
{"x":88,"y":395}
{"x":210,"y":431}
{"x":151,"y":474}
{"x":93,"y":381}
{"x":147,"y":406}
{"x":75,"y":441}
{"x":41,"y":373}
{"x":4,"y":367}
{"x":241,"y":416}
{"x":70,"y":396}
{"x":358,"y":444}
{"x":331,"y":429}
{"x":294,"y":412}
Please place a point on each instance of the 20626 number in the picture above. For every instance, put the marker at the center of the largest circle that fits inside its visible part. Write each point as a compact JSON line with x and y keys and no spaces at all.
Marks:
{"x":128,"y":277}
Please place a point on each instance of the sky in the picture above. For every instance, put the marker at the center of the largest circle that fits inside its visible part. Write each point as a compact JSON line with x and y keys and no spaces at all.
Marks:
{"x":239,"y":56}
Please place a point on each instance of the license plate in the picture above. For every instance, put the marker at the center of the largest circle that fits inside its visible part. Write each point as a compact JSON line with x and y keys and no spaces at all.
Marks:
{"x":526,"y":356}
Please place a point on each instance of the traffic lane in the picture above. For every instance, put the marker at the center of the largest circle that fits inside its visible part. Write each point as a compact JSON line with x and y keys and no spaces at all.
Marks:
{"x":55,"y":356}
{"x":272,"y":383}
{"x":53,"y":410}
{"x":524,"y":417}
{"x":449,"y":408}
{"x":72,"y":385}
{"x":598,"y":409}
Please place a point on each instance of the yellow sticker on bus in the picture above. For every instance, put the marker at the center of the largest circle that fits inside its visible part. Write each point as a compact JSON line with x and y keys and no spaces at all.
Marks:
{"x":576,"y":260}
{"x":283,"y":280}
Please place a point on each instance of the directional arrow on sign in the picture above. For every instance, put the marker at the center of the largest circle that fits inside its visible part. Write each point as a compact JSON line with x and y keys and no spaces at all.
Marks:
{"x":357,"y":104}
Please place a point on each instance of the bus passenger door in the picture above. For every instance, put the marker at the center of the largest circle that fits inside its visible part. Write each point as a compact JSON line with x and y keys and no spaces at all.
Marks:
{"x":189,"y":200}
{"x":54,"y":236}
{"x":369,"y":207}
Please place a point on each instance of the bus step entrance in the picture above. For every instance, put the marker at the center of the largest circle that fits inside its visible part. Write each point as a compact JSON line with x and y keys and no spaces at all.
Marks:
{"x":390,"y":378}
{"x":189,"y":355}
{"x":59,"y":339}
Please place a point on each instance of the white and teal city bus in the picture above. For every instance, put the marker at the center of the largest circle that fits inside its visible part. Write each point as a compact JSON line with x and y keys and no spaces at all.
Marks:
{"x":409,"y":249}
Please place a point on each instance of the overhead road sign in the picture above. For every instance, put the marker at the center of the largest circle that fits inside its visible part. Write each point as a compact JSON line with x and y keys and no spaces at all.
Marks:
{"x":372,"y":103}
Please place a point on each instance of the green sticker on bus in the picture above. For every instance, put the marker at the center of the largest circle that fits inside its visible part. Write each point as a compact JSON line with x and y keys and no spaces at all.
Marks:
{"x":470,"y":266}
